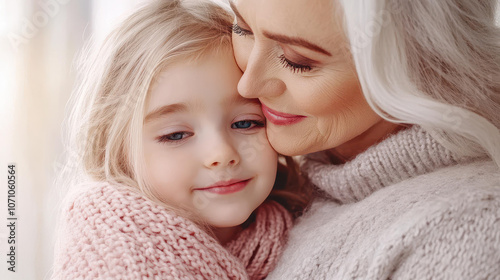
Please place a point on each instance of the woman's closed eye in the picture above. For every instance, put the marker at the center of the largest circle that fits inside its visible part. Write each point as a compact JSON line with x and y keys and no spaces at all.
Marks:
{"x":247,"y":124}
{"x":174,"y":137}
{"x":240,"y":31}
{"x":285,"y":62}
{"x":293,"y":66}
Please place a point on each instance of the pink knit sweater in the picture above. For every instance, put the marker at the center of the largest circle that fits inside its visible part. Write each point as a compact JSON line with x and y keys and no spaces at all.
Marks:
{"x":109,"y":232}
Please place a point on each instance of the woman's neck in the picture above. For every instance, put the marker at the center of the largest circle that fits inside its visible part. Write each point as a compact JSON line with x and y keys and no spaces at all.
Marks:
{"x":362,"y":142}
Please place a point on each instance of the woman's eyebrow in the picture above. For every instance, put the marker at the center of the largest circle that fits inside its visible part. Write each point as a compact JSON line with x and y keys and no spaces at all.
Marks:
{"x":282,"y":38}
{"x":296,"y":42}
{"x":237,"y":99}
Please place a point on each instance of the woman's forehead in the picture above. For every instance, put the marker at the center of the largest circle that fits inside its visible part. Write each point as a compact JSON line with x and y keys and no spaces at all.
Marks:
{"x":317,"y":21}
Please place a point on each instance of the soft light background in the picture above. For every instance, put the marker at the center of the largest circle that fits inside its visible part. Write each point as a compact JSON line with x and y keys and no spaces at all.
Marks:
{"x":38,"y":43}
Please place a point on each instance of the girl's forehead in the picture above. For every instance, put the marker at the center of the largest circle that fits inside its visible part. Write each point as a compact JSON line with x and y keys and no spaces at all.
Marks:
{"x":221,"y":106}
{"x":208,"y":84}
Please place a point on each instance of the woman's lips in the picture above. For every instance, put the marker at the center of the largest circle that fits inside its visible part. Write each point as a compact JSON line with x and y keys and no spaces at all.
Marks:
{"x":279,"y":118}
{"x":226,"y":187}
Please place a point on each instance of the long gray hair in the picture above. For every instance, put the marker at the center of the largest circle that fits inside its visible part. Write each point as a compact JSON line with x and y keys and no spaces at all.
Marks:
{"x":431,"y":63}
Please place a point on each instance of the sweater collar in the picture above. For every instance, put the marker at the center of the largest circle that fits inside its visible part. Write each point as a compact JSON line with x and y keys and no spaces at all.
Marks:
{"x":406,"y":154}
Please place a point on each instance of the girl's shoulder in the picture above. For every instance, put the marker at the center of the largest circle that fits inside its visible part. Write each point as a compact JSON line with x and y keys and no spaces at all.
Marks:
{"x":118,"y":209}
{"x":103,"y":201}
{"x":113,"y":232}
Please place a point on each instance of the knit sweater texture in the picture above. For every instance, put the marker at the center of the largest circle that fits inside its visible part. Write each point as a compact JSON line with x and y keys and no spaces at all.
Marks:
{"x":111,"y":232}
{"x":406,"y":208}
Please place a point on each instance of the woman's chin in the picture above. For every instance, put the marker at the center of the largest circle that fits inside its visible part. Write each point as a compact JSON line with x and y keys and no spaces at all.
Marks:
{"x":289,"y":144}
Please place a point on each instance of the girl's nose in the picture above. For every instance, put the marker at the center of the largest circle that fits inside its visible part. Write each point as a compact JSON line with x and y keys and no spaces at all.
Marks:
{"x":260,"y":78}
{"x":221,"y":153}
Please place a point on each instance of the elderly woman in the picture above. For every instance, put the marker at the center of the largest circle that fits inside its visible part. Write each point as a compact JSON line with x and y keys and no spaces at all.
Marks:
{"x":396,"y":105}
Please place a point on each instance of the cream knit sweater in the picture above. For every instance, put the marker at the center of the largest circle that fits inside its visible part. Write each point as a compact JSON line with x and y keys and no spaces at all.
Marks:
{"x":406,"y":208}
{"x":110,"y":232}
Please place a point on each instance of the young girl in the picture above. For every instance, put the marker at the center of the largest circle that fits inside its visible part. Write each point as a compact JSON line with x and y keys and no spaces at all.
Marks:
{"x":176,"y":165}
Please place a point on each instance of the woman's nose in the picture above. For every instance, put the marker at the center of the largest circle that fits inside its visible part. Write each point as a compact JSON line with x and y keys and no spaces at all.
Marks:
{"x":221,"y":153}
{"x":259,"y":77}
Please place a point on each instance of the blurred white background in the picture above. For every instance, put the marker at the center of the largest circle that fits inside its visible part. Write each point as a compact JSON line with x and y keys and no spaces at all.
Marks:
{"x":38,"y":43}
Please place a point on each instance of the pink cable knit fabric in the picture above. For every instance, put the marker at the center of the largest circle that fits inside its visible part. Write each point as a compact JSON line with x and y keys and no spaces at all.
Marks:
{"x":110,"y":232}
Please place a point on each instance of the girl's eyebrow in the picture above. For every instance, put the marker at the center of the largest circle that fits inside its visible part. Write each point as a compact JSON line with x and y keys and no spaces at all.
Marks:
{"x":165,"y":110}
{"x":237,"y":99}
{"x":296,"y":41}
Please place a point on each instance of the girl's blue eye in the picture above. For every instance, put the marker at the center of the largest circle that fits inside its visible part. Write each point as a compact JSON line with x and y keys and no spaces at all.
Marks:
{"x":173,"y":137}
{"x":246,"y":124}
{"x":239,"y":31}
{"x":242,"y":124}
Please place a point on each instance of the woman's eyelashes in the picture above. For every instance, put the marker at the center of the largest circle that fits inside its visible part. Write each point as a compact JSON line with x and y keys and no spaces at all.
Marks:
{"x":240,"y":31}
{"x":293,"y":66}
{"x":285,"y":62}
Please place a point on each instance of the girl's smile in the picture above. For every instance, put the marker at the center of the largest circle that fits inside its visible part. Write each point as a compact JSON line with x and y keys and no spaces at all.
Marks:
{"x":226,"y":187}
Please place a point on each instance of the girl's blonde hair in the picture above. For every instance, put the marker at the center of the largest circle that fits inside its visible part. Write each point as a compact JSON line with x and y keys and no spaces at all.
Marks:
{"x":431,"y":63}
{"x":105,"y":126}
{"x":109,"y":103}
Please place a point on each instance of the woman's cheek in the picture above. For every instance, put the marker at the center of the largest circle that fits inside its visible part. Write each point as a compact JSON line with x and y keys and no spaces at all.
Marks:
{"x":330,"y":96}
{"x":315,"y":98}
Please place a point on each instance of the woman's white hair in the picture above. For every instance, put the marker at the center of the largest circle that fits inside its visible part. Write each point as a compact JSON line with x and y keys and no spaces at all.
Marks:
{"x":431,"y":63}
